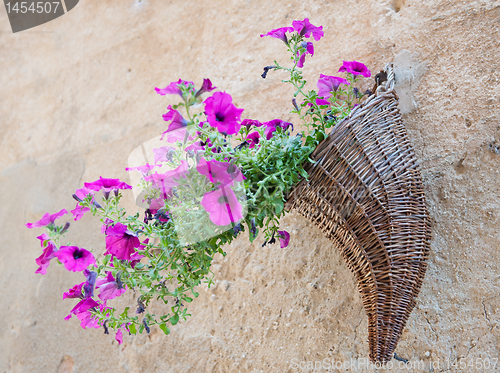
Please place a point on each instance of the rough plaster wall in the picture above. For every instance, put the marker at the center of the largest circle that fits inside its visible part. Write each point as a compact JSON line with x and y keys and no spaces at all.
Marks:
{"x":76,"y":96}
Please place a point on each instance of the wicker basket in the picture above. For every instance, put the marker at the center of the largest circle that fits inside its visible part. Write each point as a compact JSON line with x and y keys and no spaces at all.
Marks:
{"x":365,"y":192}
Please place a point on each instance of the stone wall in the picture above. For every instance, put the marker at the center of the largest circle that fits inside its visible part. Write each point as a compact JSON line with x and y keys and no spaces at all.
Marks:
{"x":77,"y":96}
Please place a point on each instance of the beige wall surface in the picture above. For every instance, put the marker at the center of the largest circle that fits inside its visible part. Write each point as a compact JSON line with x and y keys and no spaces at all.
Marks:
{"x":77,"y":96}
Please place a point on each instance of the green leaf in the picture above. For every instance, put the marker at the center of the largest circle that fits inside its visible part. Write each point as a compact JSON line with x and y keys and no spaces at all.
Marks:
{"x":164,"y":328}
{"x":124,"y":314}
{"x":188,"y":299}
{"x":278,"y":205}
{"x":174,"y":319}
{"x":132,"y":329}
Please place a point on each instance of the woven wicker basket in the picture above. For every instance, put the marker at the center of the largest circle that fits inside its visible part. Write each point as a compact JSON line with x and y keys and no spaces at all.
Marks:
{"x":365,"y":192}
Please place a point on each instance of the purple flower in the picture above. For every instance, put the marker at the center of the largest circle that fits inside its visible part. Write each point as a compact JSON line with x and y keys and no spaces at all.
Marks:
{"x":176,"y":130}
{"x":75,"y":259}
{"x":219,"y":172}
{"x":47,"y":219}
{"x":250,"y":122}
{"x":222,"y":114}
{"x":279,"y":33}
{"x":173,"y":88}
{"x":284,"y":238}
{"x":163,"y":154}
{"x":223,"y":206}
{"x":47,"y":255}
{"x":79,"y":211}
{"x":74,"y":292}
{"x":355,"y":68}
{"x":272,"y":125}
{"x":328,"y":84}
{"x":206,"y":87}
{"x":253,"y":139}
{"x":107,"y":185}
{"x":120,"y":242}
{"x":108,"y":288}
{"x":305,"y":29}
{"x":144,"y":170}
{"x":89,"y":285}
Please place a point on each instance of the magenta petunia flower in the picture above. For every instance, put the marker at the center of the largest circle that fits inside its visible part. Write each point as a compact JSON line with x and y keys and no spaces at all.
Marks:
{"x":177,"y":128}
{"x":121,"y":242}
{"x":82,"y":193}
{"x":47,"y":219}
{"x":222,"y":206}
{"x":306,"y":28}
{"x":108,"y":287}
{"x":107,"y":185}
{"x":136,"y":257}
{"x":279,"y":33}
{"x":79,"y":211}
{"x":272,"y":125}
{"x":82,"y":306}
{"x":222,"y":114}
{"x":194,"y":147}
{"x":144,"y":170}
{"x":48,"y":254}
{"x":74,"y":292}
{"x":163,"y":154}
{"x":250,"y":122}
{"x":119,"y":336}
{"x":75,"y":259}
{"x":355,"y":68}
{"x":169,"y":179}
{"x":206,"y":87}
{"x":173,"y":88}
{"x":219,"y":172}
{"x":320,"y":101}
{"x":284,"y":238}
{"x":328,"y":84}
{"x":253,"y":139}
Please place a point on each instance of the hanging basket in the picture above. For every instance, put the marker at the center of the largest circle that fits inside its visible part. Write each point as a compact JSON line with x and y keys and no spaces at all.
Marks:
{"x":365,"y":193}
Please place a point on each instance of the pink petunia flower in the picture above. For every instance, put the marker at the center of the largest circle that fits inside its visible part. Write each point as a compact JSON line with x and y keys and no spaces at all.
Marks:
{"x":177,"y":128}
{"x":250,"y":122}
{"x":194,"y":147}
{"x":108,"y":287}
{"x":320,"y":101}
{"x":279,"y":33}
{"x":206,"y":87}
{"x":75,"y":259}
{"x":272,"y":125}
{"x":222,"y":206}
{"x":173,"y":88}
{"x":48,"y":254}
{"x":82,"y":311}
{"x":306,"y":29}
{"x":355,"y":68}
{"x":328,"y":84}
{"x":222,"y":114}
{"x":144,"y":169}
{"x":163,"y":154}
{"x":107,"y":185}
{"x":79,"y":211}
{"x":284,"y":238}
{"x":253,"y":139}
{"x":74,"y":292}
{"x":47,"y":219}
{"x":219,"y":172}
{"x":120,"y":242}
{"x":169,"y":179}
{"x":119,"y":336}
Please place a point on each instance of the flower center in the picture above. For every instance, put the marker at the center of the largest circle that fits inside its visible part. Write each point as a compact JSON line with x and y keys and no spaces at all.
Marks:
{"x":223,"y":200}
{"x":219,"y":117}
{"x":77,"y":254}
